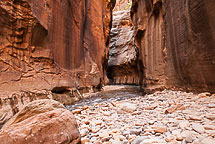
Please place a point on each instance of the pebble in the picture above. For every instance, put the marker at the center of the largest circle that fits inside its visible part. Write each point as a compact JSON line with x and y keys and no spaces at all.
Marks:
{"x":184,"y":124}
{"x":128,"y":107}
{"x":210,"y":116}
{"x":189,"y":138}
{"x":195,"y":118}
{"x":164,"y":117}
{"x":160,"y":129}
{"x":179,"y":137}
{"x":207,"y":141}
{"x":84,"y":132}
{"x":139,"y":139}
{"x":211,"y":105}
{"x":198,"y":128}
{"x":169,"y":138}
{"x":85,"y":140}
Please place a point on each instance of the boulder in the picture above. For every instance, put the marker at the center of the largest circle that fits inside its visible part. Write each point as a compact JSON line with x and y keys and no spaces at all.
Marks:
{"x":41,"y":121}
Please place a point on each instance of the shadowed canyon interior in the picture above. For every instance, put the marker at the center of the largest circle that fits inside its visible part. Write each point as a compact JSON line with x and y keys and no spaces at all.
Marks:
{"x":60,"y":49}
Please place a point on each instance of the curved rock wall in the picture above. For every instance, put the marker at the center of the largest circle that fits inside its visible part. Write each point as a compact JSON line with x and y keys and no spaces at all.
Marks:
{"x":46,"y":44}
{"x":58,"y":45}
{"x":176,"y":43}
{"x":190,"y":44}
{"x":148,"y":22}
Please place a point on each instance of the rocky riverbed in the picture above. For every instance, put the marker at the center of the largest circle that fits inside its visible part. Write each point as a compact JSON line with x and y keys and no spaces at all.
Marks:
{"x":172,"y":117}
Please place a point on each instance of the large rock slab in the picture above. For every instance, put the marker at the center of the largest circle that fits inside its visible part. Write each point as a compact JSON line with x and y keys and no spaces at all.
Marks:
{"x":41,"y":121}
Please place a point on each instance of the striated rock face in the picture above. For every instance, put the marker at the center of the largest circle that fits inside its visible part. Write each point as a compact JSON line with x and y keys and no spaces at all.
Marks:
{"x":149,"y":28}
{"x":41,"y":121}
{"x":123,"y":53}
{"x":176,"y":43}
{"x":51,"y":45}
{"x":48,"y":44}
{"x":190,"y":36}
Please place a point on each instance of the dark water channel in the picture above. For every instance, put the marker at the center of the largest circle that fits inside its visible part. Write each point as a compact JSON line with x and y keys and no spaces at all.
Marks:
{"x":110,"y":93}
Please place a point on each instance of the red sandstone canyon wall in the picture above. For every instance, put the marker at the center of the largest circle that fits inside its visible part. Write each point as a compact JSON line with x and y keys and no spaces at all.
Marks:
{"x":53,"y":43}
{"x":48,"y":45}
{"x":176,"y":43}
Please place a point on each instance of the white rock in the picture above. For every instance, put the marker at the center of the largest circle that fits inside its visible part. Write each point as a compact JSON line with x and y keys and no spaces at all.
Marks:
{"x":128,"y":107}
{"x":207,"y":141}
{"x":198,"y":128}
{"x":184,"y":124}
{"x":84,"y":132}
{"x":189,"y":138}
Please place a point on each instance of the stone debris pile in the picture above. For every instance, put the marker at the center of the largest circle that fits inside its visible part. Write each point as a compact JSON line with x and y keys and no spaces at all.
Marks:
{"x":163,"y":117}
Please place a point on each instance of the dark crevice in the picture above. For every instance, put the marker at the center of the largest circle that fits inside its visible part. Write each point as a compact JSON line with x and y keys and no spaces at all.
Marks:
{"x":157,"y":8}
{"x":60,"y":90}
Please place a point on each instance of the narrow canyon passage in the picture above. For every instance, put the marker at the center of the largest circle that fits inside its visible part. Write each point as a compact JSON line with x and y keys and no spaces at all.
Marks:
{"x":124,"y":114}
{"x":107,"y":71}
{"x":123,"y":53}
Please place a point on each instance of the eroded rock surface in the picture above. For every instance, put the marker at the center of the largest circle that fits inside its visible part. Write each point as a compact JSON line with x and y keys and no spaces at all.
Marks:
{"x":123,"y":54}
{"x":41,"y":121}
{"x":51,"y":45}
{"x":176,"y":43}
{"x":47,"y":44}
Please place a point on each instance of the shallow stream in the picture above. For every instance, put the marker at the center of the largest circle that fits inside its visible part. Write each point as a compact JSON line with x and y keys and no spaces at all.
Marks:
{"x":109,"y":93}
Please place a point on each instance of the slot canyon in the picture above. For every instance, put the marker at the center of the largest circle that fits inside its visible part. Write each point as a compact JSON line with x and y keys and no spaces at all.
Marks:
{"x":107,"y":71}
